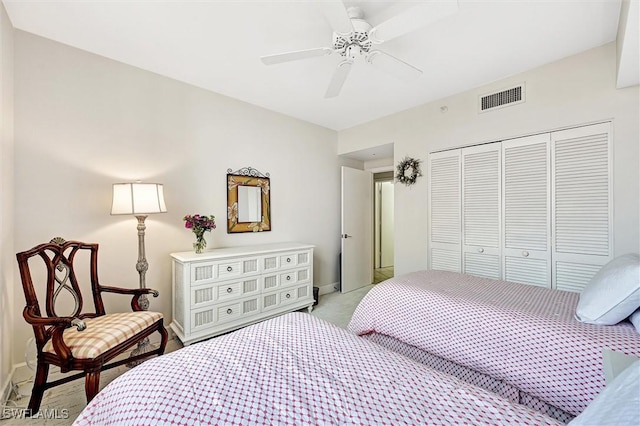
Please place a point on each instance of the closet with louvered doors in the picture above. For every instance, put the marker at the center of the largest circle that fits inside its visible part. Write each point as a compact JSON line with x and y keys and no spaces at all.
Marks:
{"x":534,"y":210}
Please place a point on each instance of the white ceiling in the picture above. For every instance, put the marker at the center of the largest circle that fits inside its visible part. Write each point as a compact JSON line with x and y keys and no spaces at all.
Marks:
{"x":216,"y":45}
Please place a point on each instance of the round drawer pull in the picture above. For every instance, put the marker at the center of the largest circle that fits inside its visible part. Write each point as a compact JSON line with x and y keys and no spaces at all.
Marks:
{"x":288,"y":278}
{"x":525,"y":253}
{"x":229,"y":269}
{"x":288,"y":259}
{"x":229,"y":311}
{"x":288,"y":296}
{"x":229,"y":290}
{"x":480,"y":250}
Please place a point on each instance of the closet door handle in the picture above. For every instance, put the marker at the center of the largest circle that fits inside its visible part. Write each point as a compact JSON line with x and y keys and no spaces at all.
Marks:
{"x":525,"y":253}
{"x":480,"y":250}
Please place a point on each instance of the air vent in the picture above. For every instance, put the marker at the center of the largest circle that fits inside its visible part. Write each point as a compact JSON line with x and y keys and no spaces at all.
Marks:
{"x":507,"y":97}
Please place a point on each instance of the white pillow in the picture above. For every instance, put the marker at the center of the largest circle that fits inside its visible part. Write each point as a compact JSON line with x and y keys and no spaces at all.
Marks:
{"x":635,"y":319}
{"x":618,"y":402}
{"x":613,"y":293}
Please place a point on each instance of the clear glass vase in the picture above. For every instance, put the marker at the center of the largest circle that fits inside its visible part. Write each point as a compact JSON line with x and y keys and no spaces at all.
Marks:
{"x":200,"y":243}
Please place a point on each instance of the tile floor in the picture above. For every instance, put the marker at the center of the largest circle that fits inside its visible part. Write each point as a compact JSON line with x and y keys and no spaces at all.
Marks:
{"x":335,"y":307}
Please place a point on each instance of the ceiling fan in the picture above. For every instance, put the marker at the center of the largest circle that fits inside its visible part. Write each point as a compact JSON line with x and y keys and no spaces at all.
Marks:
{"x":354,"y":38}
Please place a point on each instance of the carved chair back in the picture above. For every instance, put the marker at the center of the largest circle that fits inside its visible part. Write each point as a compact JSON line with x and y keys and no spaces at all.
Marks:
{"x":58,"y":257}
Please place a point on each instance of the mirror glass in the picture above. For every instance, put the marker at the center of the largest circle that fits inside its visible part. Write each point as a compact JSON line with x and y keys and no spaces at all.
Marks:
{"x":249,"y":204}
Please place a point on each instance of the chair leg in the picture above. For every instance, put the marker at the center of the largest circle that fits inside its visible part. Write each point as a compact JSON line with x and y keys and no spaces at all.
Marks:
{"x":39,"y":382}
{"x":91,"y":384}
{"x":164,"y":336}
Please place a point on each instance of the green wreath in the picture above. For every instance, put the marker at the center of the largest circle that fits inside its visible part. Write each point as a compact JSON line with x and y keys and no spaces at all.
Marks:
{"x":408,"y":170}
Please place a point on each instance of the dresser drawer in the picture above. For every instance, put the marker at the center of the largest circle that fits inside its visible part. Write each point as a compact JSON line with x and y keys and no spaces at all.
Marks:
{"x":237,"y":267}
{"x":235,"y":289}
{"x":235,"y":310}
{"x":294,"y":277}
{"x":291,"y":260}
{"x":282,"y":298}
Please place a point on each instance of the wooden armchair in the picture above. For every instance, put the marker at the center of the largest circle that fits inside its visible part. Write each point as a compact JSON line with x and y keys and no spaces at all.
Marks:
{"x":81,"y":341}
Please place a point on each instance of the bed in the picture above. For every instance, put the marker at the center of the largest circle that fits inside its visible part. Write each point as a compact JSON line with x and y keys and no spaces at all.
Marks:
{"x":519,"y":341}
{"x":295,"y":369}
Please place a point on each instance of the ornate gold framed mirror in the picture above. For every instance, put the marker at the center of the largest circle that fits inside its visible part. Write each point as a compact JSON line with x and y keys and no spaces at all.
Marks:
{"x":248,"y":201}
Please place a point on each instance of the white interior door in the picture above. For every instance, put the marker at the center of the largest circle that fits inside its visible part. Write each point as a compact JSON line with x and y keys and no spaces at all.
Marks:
{"x":357,"y":229}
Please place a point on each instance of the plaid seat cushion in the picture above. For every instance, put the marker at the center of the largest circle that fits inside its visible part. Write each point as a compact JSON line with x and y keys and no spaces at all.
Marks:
{"x":105,"y":332}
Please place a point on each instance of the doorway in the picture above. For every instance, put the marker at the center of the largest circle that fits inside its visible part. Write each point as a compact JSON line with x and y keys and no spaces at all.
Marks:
{"x":383,"y":226}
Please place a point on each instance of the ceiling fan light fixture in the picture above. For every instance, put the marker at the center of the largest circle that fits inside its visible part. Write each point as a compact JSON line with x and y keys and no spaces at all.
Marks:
{"x":353,"y":38}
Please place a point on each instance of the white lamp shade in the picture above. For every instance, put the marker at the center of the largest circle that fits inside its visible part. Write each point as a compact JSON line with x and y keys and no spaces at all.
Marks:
{"x":138,"y":198}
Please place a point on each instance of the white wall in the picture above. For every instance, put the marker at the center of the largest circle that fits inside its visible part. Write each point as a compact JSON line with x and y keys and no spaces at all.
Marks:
{"x":573,"y":91}
{"x":7,"y":312}
{"x":83,"y":122}
{"x":7,"y":259}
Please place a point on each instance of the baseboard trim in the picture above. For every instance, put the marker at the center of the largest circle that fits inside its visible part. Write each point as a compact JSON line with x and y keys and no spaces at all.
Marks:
{"x":326,"y":289}
{"x":21,"y":372}
{"x":6,"y":388}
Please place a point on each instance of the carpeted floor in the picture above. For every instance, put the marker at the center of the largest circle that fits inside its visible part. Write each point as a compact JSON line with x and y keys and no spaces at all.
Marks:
{"x":64,"y":403}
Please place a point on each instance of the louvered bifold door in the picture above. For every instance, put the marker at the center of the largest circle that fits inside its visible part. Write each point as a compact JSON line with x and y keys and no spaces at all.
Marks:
{"x":444,"y":211}
{"x":481,"y":206}
{"x":526,"y":210}
{"x":581,"y":204}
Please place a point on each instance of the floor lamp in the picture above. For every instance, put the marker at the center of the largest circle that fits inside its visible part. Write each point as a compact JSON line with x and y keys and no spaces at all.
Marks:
{"x":140,"y":200}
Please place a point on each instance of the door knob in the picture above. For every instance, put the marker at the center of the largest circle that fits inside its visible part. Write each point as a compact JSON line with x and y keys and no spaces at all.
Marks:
{"x":480,"y":250}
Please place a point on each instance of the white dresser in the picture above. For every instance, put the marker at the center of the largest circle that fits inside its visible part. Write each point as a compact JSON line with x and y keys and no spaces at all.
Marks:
{"x":228,"y":288}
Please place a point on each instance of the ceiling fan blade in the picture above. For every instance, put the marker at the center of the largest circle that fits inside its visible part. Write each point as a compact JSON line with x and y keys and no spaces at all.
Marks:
{"x":296,"y":55}
{"x":339,"y":77}
{"x":337,"y":16}
{"x":394,"y":66}
{"x":416,"y":17}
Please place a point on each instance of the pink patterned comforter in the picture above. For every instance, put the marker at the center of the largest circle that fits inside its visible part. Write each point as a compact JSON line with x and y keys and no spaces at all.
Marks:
{"x":294,"y":369}
{"x":524,"y":335}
